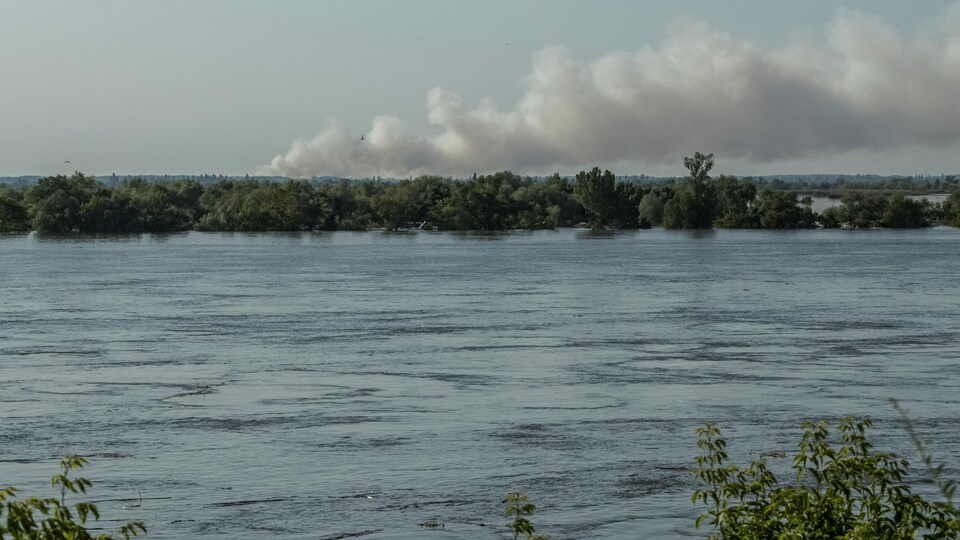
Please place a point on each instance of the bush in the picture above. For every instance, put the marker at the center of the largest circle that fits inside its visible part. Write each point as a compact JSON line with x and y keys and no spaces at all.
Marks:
{"x":519,"y":508}
{"x":844,"y":492}
{"x":52,"y":518}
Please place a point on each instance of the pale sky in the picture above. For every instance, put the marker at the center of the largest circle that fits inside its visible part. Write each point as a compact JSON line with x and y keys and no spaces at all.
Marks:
{"x":450,"y":87}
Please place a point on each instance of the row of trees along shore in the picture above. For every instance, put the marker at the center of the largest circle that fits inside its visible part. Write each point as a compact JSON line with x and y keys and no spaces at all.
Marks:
{"x":500,"y":201}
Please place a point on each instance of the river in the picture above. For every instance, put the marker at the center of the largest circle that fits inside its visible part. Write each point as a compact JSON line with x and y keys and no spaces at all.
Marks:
{"x":380,"y":385}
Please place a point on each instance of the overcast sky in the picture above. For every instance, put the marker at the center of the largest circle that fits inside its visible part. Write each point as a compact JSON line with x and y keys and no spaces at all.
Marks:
{"x":452,"y":88}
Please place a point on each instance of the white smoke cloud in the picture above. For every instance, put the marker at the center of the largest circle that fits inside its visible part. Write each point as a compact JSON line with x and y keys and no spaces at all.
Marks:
{"x":867,"y":88}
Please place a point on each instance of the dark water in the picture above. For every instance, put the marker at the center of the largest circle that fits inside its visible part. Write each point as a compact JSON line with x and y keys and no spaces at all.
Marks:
{"x":309,"y":386}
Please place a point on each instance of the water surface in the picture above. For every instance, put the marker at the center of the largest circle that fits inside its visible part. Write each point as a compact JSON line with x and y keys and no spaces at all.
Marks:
{"x":316,"y":385}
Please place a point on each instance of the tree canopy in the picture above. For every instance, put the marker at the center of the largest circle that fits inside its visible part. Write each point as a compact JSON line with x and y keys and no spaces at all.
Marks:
{"x":499,"y":201}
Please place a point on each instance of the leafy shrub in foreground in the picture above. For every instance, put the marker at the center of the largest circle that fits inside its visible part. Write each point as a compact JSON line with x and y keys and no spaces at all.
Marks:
{"x":51,"y":518}
{"x":519,"y":508}
{"x":843,"y":492}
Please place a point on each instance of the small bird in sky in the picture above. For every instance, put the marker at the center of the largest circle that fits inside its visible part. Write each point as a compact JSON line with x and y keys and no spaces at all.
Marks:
{"x":66,"y":161}
{"x":361,"y":137}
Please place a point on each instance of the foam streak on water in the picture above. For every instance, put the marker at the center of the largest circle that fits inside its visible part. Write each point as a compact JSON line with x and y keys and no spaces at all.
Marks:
{"x":319,"y":385}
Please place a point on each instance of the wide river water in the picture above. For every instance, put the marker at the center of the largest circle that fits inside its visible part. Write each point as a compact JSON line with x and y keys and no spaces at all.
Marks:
{"x":375,"y":385}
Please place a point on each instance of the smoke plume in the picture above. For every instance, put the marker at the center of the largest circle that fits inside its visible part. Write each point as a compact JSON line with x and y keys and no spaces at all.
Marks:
{"x":866,"y":88}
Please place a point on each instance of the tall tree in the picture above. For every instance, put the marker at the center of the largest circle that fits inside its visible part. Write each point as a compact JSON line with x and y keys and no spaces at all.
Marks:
{"x":695,"y":204}
{"x":596,"y":192}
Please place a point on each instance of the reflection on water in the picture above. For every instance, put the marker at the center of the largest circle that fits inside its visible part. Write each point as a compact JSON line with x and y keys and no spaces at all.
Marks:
{"x":323,"y":384}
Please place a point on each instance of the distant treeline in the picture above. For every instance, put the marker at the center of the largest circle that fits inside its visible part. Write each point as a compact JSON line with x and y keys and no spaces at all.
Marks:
{"x":79,"y":203}
{"x":809,"y":183}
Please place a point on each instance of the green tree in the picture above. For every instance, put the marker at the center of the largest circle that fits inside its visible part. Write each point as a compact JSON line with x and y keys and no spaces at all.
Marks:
{"x":626,"y":211}
{"x":396,"y":205}
{"x":859,"y":210}
{"x":597,"y":192}
{"x":736,"y":203}
{"x":158,"y":207}
{"x":287,"y":206}
{"x":250,"y":205}
{"x":951,"y":209}
{"x":55,"y":202}
{"x":905,"y":213}
{"x":650,"y":210}
{"x":52,"y":518}
{"x":110,"y":211}
{"x":432,"y":193}
{"x":779,"y":210}
{"x":349,"y":205}
{"x":13,"y":213}
{"x":221,"y":204}
{"x":558,"y":192}
{"x":846,"y":491}
{"x":485,"y":204}
{"x":536,"y":206}
{"x":519,"y":508}
{"x":830,"y":218}
{"x":695,"y":204}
